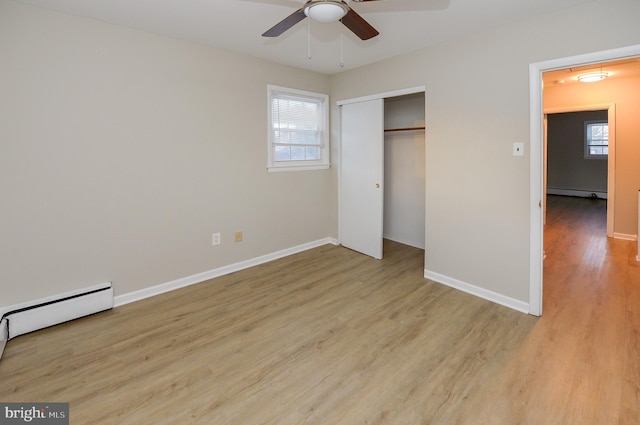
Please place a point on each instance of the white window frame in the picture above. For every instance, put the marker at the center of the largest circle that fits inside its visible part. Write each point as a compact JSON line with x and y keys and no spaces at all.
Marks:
{"x":292,"y":165}
{"x":587,"y":140}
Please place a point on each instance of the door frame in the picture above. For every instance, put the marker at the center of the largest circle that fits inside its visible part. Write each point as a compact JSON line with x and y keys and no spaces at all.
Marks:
{"x":383,"y":95}
{"x":536,"y":113}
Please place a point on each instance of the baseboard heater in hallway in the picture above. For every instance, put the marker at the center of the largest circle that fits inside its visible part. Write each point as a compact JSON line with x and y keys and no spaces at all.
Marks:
{"x":46,"y":312}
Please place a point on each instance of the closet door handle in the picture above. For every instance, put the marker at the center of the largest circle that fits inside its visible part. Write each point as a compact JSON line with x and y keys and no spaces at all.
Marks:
{"x":377,"y":185}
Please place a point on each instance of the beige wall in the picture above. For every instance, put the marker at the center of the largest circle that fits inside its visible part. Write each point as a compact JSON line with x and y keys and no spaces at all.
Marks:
{"x":121,"y":152}
{"x":477,"y":91}
{"x":625,"y":94}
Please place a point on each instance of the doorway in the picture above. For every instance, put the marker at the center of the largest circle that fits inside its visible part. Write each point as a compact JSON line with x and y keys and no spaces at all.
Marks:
{"x":608,"y":114}
{"x":537,"y":158}
{"x":404,"y":170}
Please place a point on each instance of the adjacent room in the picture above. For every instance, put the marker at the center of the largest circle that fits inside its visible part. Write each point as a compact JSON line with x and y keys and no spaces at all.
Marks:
{"x":319,"y":212}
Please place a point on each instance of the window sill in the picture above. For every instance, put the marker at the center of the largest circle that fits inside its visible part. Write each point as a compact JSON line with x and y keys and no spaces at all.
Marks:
{"x":281,"y":168}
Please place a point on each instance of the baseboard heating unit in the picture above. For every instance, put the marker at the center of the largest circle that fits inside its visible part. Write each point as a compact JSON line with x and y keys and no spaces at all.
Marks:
{"x":39,"y":314}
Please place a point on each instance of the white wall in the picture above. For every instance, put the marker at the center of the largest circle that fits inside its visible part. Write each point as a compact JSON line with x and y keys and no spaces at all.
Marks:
{"x":404,"y":170}
{"x":477,"y":91}
{"x":122,"y":151}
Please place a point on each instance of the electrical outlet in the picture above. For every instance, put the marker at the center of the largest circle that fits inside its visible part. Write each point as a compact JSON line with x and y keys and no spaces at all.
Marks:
{"x":238,"y":236}
{"x":215,"y":239}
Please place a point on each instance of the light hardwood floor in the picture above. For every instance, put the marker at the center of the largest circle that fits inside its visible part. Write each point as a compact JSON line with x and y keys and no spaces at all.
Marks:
{"x":330,"y":336}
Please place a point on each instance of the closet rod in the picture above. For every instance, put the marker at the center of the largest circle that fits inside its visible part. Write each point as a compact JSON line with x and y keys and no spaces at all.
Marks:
{"x":389,"y":130}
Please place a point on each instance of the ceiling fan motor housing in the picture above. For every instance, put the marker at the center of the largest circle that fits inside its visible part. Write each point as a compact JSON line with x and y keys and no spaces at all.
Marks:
{"x":326,"y":11}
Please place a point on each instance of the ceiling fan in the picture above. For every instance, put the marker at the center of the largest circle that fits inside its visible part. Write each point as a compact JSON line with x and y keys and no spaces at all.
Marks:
{"x":327,"y":11}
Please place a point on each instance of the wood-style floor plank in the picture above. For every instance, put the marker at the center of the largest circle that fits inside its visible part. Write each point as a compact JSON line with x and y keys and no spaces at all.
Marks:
{"x":330,"y":336}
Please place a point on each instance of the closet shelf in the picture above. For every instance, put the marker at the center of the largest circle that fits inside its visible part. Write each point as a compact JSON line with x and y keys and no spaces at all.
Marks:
{"x":395,"y":130}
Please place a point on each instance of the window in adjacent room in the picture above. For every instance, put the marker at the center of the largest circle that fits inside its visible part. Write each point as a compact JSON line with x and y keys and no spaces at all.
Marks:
{"x":298,"y":130}
{"x":596,"y":139}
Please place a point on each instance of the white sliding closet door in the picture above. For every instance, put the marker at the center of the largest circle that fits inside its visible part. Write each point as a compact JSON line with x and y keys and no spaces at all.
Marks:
{"x":361,"y":176}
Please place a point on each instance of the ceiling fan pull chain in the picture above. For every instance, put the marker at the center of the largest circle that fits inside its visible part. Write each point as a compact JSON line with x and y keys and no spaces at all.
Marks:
{"x":309,"y":39}
{"x":341,"y":49}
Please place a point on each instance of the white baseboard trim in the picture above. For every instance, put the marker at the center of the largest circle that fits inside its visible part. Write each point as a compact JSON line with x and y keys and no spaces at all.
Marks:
{"x":625,"y":237}
{"x":399,"y":240}
{"x":211,"y":274}
{"x":4,"y":335}
{"x":512,"y":303}
{"x":575,"y":192}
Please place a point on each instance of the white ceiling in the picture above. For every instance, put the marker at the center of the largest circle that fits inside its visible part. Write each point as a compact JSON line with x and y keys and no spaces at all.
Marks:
{"x":237,"y":25}
{"x":617,"y":69}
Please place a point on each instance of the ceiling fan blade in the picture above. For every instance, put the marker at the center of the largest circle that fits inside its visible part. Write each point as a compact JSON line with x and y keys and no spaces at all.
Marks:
{"x":285,"y":24}
{"x":358,"y":25}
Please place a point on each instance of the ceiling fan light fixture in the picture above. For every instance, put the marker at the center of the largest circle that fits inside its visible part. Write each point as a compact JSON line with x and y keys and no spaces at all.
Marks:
{"x":326,"y":11}
{"x":592,"y":77}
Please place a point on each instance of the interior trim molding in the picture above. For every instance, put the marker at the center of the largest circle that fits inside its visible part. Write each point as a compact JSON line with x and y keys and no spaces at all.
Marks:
{"x":625,"y":237}
{"x":404,"y":242}
{"x":536,"y":180}
{"x":395,"y":93}
{"x":220,"y":271}
{"x":576,"y":192}
{"x":495,"y":297}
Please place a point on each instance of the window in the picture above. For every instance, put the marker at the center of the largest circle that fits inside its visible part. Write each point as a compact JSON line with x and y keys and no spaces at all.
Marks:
{"x":596,"y":136}
{"x":298,"y":130}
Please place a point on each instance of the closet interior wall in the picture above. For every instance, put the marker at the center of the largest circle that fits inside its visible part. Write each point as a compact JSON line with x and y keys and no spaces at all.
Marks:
{"x":404,"y":169}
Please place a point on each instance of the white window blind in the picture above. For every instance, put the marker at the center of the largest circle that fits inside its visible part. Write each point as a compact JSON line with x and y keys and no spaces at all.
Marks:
{"x":298,"y":129}
{"x":596,"y":139}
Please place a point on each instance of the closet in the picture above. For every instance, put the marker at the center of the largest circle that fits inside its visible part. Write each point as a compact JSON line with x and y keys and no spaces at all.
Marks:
{"x":404,"y":169}
{"x":382,"y":156}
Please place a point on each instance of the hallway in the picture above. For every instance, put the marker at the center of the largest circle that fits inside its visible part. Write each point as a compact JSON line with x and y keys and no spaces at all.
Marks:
{"x":592,"y":314}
